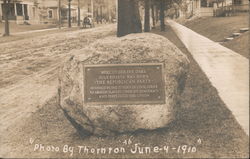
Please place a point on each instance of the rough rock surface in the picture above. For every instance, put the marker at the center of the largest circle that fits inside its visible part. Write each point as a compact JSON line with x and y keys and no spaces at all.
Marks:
{"x":112,"y":119}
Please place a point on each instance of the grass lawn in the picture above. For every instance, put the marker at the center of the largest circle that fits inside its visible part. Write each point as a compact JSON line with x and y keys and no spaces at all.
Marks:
{"x":240,"y":44}
{"x":205,"y":114}
{"x":218,"y":28}
{"x":14,"y":28}
{"x":203,"y":122}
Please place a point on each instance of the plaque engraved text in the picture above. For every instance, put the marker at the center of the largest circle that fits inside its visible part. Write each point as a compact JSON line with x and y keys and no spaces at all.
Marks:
{"x":124,"y":84}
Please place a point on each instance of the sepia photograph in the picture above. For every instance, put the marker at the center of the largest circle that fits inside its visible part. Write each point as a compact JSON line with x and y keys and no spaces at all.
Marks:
{"x":124,"y":79}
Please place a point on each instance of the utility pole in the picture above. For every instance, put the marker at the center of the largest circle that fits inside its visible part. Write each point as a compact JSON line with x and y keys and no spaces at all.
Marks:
{"x":6,"y":18}
{"x":101,"y":13}
{"x":59,"y":14}
{"x":69,"y":14}
{"x":79,"y":14}
{"x":116,"y":11}
{"x":92,"y":8}
{"x":108,"y":7}
{"x":192,"y":7}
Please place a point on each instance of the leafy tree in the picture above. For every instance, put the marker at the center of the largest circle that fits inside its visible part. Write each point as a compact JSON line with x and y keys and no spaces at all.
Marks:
{"x":164,"y":5}
{"x":129,"y":18}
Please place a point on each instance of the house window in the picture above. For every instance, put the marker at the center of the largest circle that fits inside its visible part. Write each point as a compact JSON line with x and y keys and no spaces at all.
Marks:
{"x":50,"y":14}
{"x":11,"y":9}
{"x":19,"y":9}
{"x":206,"y":3}
{"x":237,"y":2}
{"x":12,"y":15}
{"x":34,"y":11}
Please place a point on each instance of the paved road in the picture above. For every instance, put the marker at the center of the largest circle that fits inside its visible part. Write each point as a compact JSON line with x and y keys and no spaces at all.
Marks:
{"x":227,"y":70}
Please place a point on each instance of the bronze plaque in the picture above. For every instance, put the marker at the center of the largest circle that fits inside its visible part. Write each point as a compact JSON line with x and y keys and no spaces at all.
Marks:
{"x":124,"y":84}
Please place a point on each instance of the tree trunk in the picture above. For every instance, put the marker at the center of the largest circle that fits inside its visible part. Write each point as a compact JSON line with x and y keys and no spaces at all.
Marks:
{"x":59,"y":15}
{"x":69,"y":18}
{"x":92,"y":8}
{"x":97,"y":15}
{"x":162,"y":14}
{"x":153,"y":15}
{"x":128,"y":18}
{"x":147,"y":16}
{"x":79,"y":15}
{"x":6,"y":18}
{"x":109,"y":11}
{"x":157,"y":14}
{"x":101,"y":14}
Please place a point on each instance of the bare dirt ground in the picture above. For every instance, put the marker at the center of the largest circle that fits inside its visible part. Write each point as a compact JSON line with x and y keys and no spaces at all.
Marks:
{"x":28,"y":67}
{"x":204,"y":127}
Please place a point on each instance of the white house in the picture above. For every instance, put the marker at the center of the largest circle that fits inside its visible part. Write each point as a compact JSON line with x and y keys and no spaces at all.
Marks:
{"x":46,"y":11}
{"x":38,"y":11}
{"x":209,"y":7}
{"x":31,"y":11}
{"x":20,"y":10}
{"x":241,"y":5}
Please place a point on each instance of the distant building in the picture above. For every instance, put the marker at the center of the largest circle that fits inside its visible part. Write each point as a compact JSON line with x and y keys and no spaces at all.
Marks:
{"x":20,"y":10}
{"x":32,"y":11}
{"x":187,"y":9}
{"x":241,"y":5}
{"x":46,"y":11}
{"x":208,"y":7}
{"x":38,"y":11}
{"x":193,"y":8}
{"x":212,"y":7}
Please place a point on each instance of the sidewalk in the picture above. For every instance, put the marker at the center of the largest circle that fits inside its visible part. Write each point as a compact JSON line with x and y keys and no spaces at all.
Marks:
{"x":227,"y":71}
{"x":40,"y":30}
{"x":50,"y":29}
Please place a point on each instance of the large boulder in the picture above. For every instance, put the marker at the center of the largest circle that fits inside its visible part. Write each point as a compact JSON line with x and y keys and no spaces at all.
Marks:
{"x":110,"y":119}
